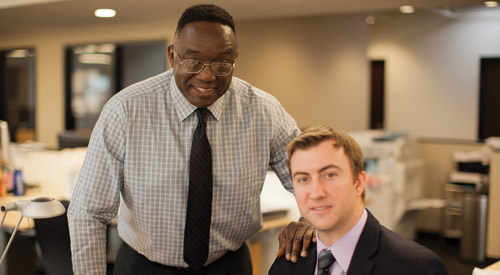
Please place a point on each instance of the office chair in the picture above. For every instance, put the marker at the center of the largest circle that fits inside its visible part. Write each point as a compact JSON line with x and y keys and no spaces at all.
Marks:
{"x":73,"y":139}
{"x":53,"y":236}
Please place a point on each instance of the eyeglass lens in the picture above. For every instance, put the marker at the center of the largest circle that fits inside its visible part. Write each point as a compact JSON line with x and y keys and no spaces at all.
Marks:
{"x":218,"y":68}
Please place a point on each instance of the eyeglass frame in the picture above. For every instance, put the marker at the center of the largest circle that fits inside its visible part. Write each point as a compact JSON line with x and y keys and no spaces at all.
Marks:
{"x":204,"y":64}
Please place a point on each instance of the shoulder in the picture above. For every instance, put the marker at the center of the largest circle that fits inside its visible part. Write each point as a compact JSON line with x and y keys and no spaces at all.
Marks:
{"x":138,"y":96}
{"x":391,"y":253}
{"x":153,"y":87}
{"x":247,"y":93}
{"x":385,"y":240}
{"x":258,"y":106}
{"x":303,"y":266}
{"x":280,"y":266}
{"x":403,"y":254}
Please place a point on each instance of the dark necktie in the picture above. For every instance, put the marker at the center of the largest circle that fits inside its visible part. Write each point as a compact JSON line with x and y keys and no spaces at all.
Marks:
{"x":199,"y":206}
{"x":325,"y":260}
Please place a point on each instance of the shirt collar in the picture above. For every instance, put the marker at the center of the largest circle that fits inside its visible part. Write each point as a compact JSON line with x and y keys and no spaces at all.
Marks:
{"x":343,"y":249}
{"x":184,"y":108}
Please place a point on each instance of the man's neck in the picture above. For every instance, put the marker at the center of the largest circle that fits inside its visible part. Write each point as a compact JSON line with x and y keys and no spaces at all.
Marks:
{"x":330,"y":237}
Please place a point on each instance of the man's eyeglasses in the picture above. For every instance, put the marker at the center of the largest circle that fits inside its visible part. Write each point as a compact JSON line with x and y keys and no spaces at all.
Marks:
{"x":194,"y":66}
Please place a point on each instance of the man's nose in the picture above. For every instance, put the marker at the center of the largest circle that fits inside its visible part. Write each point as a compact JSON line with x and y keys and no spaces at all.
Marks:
{"x":317,"y":189}
{"x":206,"y":73}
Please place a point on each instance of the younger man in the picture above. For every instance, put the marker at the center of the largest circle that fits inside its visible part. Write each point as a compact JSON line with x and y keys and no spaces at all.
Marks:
{"x":326,"y":166}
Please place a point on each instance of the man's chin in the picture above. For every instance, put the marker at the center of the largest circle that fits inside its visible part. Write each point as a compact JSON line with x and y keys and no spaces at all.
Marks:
{"x":201,"y":102}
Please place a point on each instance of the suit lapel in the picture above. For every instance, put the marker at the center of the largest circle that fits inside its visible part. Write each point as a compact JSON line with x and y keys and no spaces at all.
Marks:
{"x":366,"y":247}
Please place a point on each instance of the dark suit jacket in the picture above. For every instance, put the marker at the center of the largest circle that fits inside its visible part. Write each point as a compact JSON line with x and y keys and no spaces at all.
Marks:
{"x":379,"y":251}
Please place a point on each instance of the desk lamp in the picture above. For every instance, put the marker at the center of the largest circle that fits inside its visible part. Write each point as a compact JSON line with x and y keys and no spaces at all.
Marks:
{"x":37,"y":208}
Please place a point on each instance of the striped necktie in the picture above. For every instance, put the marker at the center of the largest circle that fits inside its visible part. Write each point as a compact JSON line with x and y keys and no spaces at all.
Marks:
{"x":325,"y":260}
{"x":199,"y":206}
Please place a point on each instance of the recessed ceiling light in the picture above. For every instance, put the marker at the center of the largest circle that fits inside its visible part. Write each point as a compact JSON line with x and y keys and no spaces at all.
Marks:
{"x":491,"y":4}
{"x":105,"y":13}
{"x":406,"y":9}
{"x":370,"y":20}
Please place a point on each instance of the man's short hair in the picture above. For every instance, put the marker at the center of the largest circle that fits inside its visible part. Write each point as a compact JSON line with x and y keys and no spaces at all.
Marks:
{"x":340,"y":139}
{"x":205,"y":12}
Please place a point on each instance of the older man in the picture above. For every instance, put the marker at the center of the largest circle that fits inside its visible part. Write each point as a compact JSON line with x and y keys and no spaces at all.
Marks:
{"x":186,"y":153}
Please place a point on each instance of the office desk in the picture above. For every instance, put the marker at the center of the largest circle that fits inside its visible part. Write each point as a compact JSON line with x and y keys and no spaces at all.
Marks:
{"x":257,"y":244}
{"x":48,"y":173}
{"x":492,"y":237}
{"x":51,"y":172}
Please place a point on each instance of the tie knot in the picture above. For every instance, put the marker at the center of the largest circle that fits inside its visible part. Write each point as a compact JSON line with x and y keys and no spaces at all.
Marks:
{"x":325,"y":260}
{"x":202,"y":114}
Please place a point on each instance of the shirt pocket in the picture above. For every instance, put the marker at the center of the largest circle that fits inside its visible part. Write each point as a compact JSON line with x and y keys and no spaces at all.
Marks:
{"x":237,"y":193}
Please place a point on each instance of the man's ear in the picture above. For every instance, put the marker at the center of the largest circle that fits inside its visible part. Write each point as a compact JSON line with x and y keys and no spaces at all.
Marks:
{"x":170,"y":54}
{"x":360,"y":183}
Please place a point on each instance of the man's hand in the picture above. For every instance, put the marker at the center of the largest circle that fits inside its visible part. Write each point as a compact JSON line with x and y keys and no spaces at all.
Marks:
{"x":296,"y":236}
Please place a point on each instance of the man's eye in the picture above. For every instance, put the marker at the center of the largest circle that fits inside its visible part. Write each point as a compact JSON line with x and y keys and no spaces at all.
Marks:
{"x":329,"y":175}
{"x":302,"y":180}
{"x":192,"y":61}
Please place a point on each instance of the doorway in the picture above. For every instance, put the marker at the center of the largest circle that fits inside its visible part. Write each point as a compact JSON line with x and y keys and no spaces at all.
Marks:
{"x":489,"y":98}
{"x":17,"y":93}
{"x":377,"y":89}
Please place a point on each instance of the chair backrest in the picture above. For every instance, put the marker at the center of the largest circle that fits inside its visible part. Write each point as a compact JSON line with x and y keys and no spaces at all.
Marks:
{"x":53,"y":237}
{"x":73,"y":139}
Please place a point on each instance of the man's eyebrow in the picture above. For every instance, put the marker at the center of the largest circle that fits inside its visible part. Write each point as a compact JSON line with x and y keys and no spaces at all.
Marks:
{"x":329,"y":166}
{"x":230,"y":51}
{"x":299,"y":173}
{"x":322,"y":169}
{"x":190,"y":51}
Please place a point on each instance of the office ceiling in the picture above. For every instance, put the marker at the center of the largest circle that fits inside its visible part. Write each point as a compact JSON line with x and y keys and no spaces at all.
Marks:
{"x":16,"y":15}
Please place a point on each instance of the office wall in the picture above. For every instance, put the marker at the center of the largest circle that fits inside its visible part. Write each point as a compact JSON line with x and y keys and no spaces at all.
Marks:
{"x":432,"y":70}
{"x":316,"y":67}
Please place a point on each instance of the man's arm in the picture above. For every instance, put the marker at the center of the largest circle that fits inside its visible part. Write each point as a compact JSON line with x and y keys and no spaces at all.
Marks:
{"x":96,"y":199}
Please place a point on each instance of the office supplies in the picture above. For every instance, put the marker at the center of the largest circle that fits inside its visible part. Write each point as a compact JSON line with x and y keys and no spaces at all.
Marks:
{"x":38,"y":208}
{"x":19,"y":187}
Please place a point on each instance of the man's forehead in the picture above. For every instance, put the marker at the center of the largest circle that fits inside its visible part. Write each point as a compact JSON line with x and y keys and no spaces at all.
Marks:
{"x":325,"y":150}
{"x":206,"y":36}
{"x":206,"y":28}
